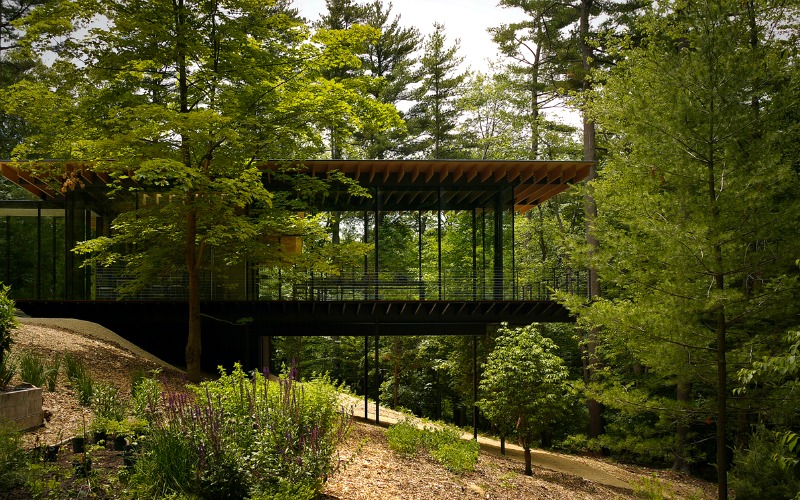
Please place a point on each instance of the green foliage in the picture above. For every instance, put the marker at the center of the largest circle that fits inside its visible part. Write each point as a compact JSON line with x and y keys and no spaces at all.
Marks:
{"x":652,"y":488}
{"x":8,"y":323}
{"x":240,"y":435}
{"x":12,"y":456}
{"x":146,"y":394}
{"x":757,"y":472}
{"x":81,"y":379}
{"x":443,"y":443}
{"x":524,"y":385}
{"x":405,"y":438}
{"x":32,"y":368}
{"x":51,"y":372}
{"x":459,"y":457}
{"x":107,"y":403}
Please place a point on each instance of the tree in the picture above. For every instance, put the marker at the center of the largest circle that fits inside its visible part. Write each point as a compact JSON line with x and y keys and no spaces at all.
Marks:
{"x":697,"y":202}
{"x":14,"y":63}
{"x":432,"y":121}
{"x":532,"y":44}
{"x":182,"y":99}
{"x":524,"y":385}
{"x":391,"y":59}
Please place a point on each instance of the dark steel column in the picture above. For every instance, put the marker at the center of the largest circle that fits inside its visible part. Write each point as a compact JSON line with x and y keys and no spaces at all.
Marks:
{"x":419,"y":251}
{"x":377,"y":377}
{"x":377,"y":240}
{"x":69,"y":238}
{"x":366,"y":376}
{"x":498,"y":247}
{"x":513,"y":248}
{"x":38,"y":292}
{"x":8,"y":249}
{"x":474,"y":256}
{"x":475,"y":387}
{"x":439,"y":236}
{"x":483,"y":253}
{"x":54,"y":269}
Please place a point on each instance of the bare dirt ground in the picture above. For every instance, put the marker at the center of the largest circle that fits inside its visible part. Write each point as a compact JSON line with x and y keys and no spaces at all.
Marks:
{"x":373,"y":471}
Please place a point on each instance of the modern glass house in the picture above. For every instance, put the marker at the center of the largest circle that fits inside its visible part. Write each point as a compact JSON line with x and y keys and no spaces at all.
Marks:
{"x":40,"y":225}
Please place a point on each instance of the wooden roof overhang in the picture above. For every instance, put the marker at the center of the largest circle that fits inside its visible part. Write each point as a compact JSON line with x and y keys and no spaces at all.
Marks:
{"x":463,"y":184}
{"x":404,"y":184}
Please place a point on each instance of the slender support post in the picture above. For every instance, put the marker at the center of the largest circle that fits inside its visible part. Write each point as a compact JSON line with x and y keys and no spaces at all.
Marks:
{"x":513,"y":248}
{"x":439,"y":237}
{"x":8,"y":249}
{"x":69,"y":239}
{"x":54,"y":270}
{"x":419,"y":251}
{"x":38,"y":292}
{"x":498,"y":246}
{"x":483,"y":253}
{"x":474,"y":256}
{"x":366,"y":376}
{"x":377,"y":377}
{"x":475,"y":387}
{"x":377,"y":241}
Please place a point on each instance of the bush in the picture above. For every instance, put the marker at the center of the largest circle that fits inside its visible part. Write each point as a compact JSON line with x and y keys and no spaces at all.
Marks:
{"x":107,"y":403}
{"x":243,"y":435}
{"x":458,"y":457}
{"x":31,"y":368}
{"x":443,"y":443}
{"x":145,"y":394}
{"x":12,"y":457}
{"x":404,"y":438}
{"x":8,"y":323}
{"x":757,"y":471}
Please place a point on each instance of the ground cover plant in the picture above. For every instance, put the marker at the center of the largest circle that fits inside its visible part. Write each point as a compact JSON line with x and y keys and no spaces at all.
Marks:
{"x":444,"y":443}
{"x":243,"y":436}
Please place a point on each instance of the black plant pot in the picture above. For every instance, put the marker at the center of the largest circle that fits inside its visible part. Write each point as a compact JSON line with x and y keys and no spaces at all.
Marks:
{"x":100,"y":437}
{"x":119,"y":443}
{"x":129,"y":458}
{"x":51,"y":453}
{"x":78,"y":444}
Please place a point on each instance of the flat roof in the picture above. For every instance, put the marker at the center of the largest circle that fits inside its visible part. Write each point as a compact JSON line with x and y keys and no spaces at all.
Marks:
{"x":404,"y":183}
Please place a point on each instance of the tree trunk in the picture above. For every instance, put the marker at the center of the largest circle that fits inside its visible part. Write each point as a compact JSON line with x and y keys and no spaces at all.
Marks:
{"x":682,"y":433}
{"x":528,"y":468}
{"x":596,"y":425}
{"x":503,"y":445}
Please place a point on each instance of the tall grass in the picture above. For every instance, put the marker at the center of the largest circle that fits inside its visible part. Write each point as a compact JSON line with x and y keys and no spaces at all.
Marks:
{"x":32,"y":368}
{"x":80,"y":378}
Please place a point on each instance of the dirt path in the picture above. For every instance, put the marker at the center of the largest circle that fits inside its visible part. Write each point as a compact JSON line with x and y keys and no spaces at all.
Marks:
{"x":598,"y":472}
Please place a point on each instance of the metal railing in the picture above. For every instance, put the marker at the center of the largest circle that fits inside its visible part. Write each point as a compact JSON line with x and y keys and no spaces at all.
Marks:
{"x":353,"y":285}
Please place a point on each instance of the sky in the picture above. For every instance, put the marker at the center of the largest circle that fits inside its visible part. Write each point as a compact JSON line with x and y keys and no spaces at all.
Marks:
{"x":467,"y":20}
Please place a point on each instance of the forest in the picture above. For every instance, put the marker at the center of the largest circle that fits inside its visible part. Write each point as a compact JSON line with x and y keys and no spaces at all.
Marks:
{"x":684,"y":352}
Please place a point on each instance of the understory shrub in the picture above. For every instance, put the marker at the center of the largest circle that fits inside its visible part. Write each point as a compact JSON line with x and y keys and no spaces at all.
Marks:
{"x":8,"y":323}
{"x":145,"y":396}
{"x":443,"y":443}
{"x":12,"y":456}
{"x":757,"y":472}
{"x":107,"y":403}
{"x":244,"y":436}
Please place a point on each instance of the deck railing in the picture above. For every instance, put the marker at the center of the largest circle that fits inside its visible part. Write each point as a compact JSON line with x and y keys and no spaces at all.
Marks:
{"x":295,"y":284}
